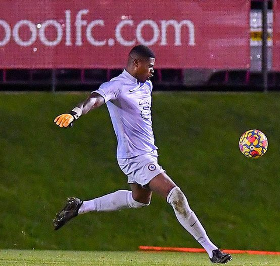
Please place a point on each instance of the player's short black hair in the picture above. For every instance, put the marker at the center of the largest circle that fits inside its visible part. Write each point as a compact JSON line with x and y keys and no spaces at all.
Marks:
{"x":143,"y":51}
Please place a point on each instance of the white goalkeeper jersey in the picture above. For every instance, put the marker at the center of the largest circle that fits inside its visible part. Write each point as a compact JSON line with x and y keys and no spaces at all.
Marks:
{"x":129,"y":105}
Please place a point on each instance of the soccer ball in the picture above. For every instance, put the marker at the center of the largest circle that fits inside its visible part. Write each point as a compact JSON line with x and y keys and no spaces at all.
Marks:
{"x":253,"y":143}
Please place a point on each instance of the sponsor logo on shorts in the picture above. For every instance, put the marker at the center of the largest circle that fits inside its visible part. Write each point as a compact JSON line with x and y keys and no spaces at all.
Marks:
{"x":152,"y":167}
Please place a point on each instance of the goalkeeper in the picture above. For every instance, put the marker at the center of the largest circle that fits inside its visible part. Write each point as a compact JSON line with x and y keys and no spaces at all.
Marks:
{"x":128,"y":99}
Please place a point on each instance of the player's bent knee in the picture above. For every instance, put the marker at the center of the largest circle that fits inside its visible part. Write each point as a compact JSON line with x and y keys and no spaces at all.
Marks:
{"x":132,"y":203}
{"x":177,"y":199}
{"x":175,"y":195}
{"x":136,"y":204}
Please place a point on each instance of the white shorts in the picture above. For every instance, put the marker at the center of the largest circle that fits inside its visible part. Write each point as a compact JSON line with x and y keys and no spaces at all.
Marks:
{"x":141,"y":169}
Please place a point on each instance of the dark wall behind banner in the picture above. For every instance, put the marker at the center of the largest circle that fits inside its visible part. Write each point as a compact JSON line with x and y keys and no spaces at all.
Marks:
{"x":276,"y":36}
{"x":98,"y":34}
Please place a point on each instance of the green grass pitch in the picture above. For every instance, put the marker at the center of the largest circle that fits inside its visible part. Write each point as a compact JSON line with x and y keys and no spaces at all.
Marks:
{"x":109,"y":258}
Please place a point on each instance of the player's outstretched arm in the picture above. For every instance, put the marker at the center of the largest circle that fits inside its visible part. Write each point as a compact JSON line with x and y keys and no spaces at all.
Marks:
{"x":92,"y":102}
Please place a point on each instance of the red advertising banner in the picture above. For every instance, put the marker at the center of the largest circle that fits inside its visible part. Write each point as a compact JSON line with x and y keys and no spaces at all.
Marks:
{"x":276,"y":36}
{"x":99,"y":34}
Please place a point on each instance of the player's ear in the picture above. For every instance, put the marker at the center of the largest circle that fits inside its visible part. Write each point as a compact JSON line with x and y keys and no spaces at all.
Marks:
{"x":136,"y":62}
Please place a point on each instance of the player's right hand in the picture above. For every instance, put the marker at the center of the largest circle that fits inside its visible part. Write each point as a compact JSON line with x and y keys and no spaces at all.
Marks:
{"x":64,"y":120}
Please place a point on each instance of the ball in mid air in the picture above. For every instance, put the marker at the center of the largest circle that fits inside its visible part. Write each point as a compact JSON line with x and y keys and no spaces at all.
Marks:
{"x":253,"y":143}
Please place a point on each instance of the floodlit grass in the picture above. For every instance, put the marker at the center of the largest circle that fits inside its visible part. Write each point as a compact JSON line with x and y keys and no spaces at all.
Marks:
{"x":32,"y":257}
{"x":236,"y":198}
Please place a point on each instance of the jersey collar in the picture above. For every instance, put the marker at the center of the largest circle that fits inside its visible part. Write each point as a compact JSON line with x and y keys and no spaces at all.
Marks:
{"x":130,"y":77}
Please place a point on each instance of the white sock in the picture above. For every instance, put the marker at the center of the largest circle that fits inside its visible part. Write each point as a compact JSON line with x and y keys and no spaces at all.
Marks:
{"x":118,"y":200}
{"x":188,"y":219}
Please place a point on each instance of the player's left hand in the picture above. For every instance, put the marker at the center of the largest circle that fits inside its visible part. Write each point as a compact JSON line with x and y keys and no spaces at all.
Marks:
{"x":64,"y":120}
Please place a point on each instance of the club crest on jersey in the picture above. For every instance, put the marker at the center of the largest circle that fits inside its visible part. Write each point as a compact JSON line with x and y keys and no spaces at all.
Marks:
{"x":152,"y":167}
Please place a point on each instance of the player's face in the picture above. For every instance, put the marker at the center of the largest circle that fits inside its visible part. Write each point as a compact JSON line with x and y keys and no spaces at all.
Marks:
{"x":145,"y":69}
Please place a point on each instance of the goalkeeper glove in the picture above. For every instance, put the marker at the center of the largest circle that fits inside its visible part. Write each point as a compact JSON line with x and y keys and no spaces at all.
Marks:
{"x":66,"y":120}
